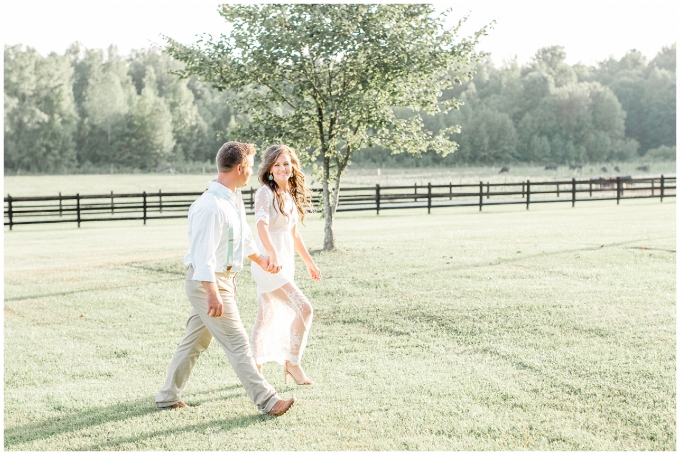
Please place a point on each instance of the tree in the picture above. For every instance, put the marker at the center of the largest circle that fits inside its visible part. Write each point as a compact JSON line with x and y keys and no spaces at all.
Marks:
{"x":40,"y":117}
{"x":107,"y":100}
{"x":573,"y":123}
{"x":647,"y":95}
{"x":150,"y":141}
{"x":658,"y":104}
{"x":326,"y":78}
{"x":550,"y":60}
{"x":189,"y":129}
{"x":665,"y":59}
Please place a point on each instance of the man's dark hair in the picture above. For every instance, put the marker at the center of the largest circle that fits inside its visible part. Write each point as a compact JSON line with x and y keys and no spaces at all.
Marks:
{"x":231,"y":154}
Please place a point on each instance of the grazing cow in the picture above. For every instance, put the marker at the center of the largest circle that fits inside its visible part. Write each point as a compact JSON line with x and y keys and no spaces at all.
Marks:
{"x":616,"y":168}
{"x":643,"y":168}
{"x":604,"y":169}
{"x":504,"y":169}
{"x":551,"y":166}
{"x":627,"y":182}
{"x":607,"y":183}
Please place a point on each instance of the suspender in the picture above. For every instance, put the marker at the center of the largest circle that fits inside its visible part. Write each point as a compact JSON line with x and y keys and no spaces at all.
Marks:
{"x":230,"y":249}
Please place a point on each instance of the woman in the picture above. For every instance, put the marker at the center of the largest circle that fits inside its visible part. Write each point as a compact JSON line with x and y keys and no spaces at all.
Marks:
{"x":284,"y":314}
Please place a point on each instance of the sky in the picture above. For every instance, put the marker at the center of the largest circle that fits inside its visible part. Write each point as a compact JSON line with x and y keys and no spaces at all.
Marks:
{"x":590,"y":31}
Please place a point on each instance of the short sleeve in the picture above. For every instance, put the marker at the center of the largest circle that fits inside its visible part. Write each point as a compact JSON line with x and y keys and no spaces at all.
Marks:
{"x":263,"y":200}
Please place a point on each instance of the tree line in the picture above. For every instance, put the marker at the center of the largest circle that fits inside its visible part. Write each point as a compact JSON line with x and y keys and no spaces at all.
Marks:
{"x":91,"y":110}
{"x":553,"y":113}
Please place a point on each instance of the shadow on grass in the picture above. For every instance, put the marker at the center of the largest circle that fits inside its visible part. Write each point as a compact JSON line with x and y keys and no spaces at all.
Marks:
{"x":322,"y":251}
{"x":157,"y":267}
{"x":524,"y":257}
{"x":78,"y":291}
{"x":74,"y":421}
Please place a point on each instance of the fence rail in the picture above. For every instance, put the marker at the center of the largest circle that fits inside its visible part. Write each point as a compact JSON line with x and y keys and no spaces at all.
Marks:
{"x":151,"y":206}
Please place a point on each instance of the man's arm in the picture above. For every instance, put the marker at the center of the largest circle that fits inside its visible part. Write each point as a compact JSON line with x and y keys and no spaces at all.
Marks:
{"x":262,"y":261}
{"x":206,"y":233}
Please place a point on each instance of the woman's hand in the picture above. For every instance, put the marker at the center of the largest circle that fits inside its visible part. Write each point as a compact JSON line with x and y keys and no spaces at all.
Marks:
{"x":314,"y":271}
{"x":274,"y":265}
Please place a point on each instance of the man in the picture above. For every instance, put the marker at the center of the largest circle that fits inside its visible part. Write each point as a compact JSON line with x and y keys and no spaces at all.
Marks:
{"x":219,"y":239}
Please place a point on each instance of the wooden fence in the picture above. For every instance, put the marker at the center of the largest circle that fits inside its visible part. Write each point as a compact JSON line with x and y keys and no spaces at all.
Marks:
{"x":151,"y":206}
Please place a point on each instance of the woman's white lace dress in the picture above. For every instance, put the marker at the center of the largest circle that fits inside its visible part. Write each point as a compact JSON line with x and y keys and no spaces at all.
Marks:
{"x":284,"y":314}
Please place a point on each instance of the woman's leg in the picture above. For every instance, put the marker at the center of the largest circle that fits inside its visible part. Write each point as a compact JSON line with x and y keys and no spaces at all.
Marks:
{"x":262,"y":322}
{"x":291,"y":295}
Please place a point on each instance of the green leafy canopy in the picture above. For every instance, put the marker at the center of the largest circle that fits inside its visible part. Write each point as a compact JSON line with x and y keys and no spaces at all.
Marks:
{"x":326,"y":78}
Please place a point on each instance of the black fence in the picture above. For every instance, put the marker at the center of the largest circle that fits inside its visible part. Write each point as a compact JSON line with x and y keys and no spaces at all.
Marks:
{"x":152,"y":206}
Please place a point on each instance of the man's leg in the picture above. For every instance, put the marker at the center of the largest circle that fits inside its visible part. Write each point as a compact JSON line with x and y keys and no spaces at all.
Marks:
{"x":228,"y":330}
{"x":196,"y":340}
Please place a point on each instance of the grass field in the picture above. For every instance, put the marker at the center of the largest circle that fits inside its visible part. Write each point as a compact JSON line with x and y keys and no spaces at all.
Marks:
{"x":547,"y":329}
{"x":26,"y":185}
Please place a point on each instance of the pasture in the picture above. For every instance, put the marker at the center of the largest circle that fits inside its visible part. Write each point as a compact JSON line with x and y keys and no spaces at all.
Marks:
{"x":547,"y":329}
{"x":42,"y":185}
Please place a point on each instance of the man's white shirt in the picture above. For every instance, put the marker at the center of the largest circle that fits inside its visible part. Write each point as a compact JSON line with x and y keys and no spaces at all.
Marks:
{"x":210,"y":217}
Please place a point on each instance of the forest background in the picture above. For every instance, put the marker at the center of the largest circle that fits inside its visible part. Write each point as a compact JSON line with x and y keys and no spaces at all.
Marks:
{"x":94,"y":111}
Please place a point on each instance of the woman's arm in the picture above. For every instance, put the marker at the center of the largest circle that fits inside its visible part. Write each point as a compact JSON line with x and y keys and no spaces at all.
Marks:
{"x":263,"y":201}
{"x":265,"y":238}
{"x":301,"y":249}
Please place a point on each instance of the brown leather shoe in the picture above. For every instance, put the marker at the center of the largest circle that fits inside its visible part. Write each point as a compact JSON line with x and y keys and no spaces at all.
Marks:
{"x":282,"y":406}
{"x":179,"y":404}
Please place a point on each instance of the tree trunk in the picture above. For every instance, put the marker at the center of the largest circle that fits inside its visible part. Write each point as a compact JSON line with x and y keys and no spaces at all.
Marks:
{"x":328,"y":209}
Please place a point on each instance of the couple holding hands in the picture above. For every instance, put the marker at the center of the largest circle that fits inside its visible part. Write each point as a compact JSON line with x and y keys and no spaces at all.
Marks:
{"x":219,"y":240}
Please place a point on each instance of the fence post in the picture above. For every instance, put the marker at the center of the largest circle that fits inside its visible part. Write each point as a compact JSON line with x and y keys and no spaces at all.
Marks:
{"x":144,"y":205}
{"x":590,"y":186}
{"x":377,"y":199}
{"x":429,"y":197}
{"x":78,"y":208}
{"x":415,"y":191}
{"x":160,"y":201}
{"x":618,"y":190}
{"x":450,"y":191}
{"x":558,"y":190}
{"x":9,"y":210}
{"x":252,"y":198}
{"x":481,"y":195}
{"x":663,"y":183}
{"x":573,"y":191}
{"x":487,"y":190}
{"x":522,"y":189}
{"x":111,"y":202}
{"x":528,"y":193}
{"x":653,"y":187}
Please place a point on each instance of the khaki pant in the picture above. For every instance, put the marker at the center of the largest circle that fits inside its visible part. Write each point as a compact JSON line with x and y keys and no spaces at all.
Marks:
{"x":228,"y":330}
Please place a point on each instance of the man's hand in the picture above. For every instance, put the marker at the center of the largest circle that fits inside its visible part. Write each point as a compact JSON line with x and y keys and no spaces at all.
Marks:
{"x":274,"y":266}
{"x":214,"y":300}
{"x":265,"y":263}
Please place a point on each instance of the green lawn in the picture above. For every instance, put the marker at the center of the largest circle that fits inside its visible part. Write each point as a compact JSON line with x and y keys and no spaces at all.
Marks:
{"x":547,"y":329}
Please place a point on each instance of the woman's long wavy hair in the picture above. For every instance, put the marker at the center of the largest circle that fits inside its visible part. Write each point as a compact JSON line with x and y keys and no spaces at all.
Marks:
{"x":301,"y":194}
